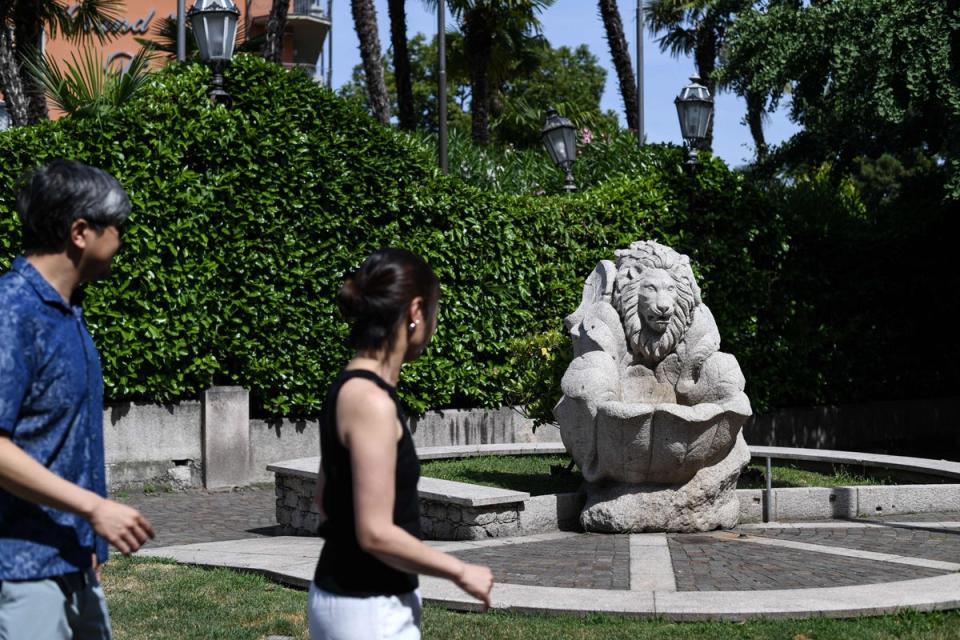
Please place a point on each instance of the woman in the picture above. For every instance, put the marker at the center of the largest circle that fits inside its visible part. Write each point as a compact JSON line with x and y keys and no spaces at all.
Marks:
{"x":365,"y":584}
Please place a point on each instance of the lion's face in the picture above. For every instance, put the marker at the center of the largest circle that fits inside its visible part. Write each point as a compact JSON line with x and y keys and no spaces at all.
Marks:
{"x":656,"y":299}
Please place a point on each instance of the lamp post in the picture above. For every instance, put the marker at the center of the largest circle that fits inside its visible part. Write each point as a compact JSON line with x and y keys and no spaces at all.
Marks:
{"x":695,"y":110}
{"x":559,"y":136}
{"x":214,"y":24}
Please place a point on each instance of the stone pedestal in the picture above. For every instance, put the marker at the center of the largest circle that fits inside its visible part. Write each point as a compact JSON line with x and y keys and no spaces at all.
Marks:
{"x":226,"y":437}
{"x":707,"y":501}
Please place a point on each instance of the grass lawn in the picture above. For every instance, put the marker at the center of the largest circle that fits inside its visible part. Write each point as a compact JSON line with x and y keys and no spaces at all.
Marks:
{"x":533,"y":474}
{"x":156,"y":600}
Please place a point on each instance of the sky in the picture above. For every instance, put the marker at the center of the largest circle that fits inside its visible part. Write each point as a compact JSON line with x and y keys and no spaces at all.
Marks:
{"x":576,"y":22}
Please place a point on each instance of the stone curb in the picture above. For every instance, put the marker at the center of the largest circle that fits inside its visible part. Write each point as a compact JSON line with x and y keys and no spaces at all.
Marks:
{"x":290,"y":560}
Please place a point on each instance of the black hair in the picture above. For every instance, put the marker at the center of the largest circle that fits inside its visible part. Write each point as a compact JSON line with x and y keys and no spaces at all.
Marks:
{"x":54,"y":196}
{"x":375,"y":298}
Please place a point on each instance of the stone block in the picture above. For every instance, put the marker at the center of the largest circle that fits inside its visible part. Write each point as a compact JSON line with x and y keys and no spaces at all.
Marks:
{"x":453,"y":513}
{"x":483,"y":518}
{"x":226,"y":437}
{"x":751,"y":505}
{"x":469,"y":533}
{"x":507,"y":516}
{"x":896,"y":499}
{"x":442,"y":530}
{"x":814,"y":503}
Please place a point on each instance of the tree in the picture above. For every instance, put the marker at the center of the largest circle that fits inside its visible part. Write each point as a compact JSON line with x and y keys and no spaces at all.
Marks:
{"x":494,"y":32}
{"x":699,"y":28}
{"x":276,"y":25}
{"x":865,"y":78}
{"x":401,"y":64}
{"x":365,"y":22}
{"x":22,"y":23}
{"x":570,"y":79}
{"x":617,"y":41}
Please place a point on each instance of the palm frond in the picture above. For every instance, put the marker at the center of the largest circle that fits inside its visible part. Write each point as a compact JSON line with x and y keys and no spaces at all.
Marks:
{"x":82,"y":20}
{"x":85,"y":87}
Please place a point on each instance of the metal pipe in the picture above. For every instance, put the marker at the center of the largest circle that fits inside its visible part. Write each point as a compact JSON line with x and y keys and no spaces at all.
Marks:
{"x":640,"y":133}
{"x":768,"y":492}
{"x":330,"y":45}
{"x":442,"y":81}
{"x":181,"y":31}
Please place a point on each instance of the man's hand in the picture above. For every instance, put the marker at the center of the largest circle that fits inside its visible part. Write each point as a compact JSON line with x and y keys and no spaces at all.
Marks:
{"x":122,"y":526}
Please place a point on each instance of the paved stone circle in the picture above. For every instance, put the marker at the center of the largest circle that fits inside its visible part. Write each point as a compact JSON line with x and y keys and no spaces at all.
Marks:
{"x":700,"y":562}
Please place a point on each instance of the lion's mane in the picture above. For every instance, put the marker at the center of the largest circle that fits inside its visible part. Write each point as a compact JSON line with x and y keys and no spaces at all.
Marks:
{"x":648,"y":346}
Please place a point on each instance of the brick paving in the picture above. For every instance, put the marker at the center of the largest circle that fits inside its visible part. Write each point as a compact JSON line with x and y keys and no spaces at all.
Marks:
{"x":706,"y":563}
{"x":935,"y":544}
{"x":202,"y":516}
{"x":598,"y":561}
{"x":586,"y":561}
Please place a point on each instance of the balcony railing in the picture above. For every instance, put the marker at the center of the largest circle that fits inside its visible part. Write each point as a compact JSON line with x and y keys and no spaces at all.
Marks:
{"x":312,"y":8}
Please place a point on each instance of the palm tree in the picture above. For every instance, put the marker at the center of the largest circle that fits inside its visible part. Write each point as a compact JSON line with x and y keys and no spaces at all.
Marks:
{"x":491,"y":28}
{"x":621,"y":58}
{"x":697,"y":27}
{"x":401,"y":64}
{"x":22,"y":24}
{"x":87,"y":88}
{"x":276,"y":24}
{"x":365,"y":22}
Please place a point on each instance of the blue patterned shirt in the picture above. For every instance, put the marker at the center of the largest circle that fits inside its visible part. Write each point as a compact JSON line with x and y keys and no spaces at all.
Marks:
{"x":51,"y":406}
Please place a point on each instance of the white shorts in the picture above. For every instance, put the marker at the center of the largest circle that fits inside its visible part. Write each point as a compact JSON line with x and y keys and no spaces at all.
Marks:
{"x":335,"y":617}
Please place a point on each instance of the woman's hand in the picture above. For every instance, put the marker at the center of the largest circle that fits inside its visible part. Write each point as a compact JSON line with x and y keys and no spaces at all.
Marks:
{"x":477,"y":581}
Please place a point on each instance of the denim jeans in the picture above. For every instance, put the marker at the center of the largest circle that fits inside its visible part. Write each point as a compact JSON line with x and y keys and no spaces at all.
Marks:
{"x":64,"y":608}
{"x":335,"y":617}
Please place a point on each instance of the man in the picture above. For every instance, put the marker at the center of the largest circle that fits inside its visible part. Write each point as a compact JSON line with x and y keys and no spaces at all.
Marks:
{"x":55,"y":521}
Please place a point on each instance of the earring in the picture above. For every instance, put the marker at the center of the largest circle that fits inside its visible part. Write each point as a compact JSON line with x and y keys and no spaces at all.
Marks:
{"x":412,"y":326}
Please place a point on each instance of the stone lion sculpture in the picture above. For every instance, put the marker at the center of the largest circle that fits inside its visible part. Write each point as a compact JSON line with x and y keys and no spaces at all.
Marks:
{"x":652,"y":410}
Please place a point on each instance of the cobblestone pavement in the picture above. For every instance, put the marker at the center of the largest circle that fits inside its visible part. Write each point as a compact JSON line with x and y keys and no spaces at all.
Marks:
{"x":202,"y":516}
{"x":935,"y":544}
{"x":707,"y":563}
{"x":700,"y":562}
{"x":587,"y":561}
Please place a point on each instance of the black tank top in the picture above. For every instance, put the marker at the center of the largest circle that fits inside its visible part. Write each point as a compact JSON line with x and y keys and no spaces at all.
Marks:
{"x":344,"y":568}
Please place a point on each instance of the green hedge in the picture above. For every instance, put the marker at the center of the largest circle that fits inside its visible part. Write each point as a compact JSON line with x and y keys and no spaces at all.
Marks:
{"x":246,"y":221}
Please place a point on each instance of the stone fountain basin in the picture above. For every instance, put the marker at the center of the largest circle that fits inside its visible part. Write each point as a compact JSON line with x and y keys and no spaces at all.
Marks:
{"x":663,"y":443}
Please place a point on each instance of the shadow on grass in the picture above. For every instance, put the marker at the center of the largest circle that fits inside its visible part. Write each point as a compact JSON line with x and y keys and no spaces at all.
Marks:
{"x":536,"y":484}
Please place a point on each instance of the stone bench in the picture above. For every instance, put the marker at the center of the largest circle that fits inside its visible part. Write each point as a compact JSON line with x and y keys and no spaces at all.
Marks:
{"x":448,"y":510}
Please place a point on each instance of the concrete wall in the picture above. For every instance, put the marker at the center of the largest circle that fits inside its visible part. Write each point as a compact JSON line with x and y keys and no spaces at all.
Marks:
{"x":147,"y":444}
{"x":922,"y":428}
{"x":163,"y":445}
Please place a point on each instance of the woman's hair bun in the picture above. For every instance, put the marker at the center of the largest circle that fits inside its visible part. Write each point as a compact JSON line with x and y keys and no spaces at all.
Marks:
{"x":350,"y":299}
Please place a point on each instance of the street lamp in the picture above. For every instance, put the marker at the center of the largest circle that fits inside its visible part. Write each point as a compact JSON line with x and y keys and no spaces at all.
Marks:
{"x":695,"y":110}
{"x":214,"y":24}
{"x":559,"y":136}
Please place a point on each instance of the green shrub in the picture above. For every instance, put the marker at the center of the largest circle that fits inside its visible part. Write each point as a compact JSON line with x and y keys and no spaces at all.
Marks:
{"x":246,"y":220}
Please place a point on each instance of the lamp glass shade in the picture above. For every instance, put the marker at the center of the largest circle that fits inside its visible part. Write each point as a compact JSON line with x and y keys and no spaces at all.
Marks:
{"x":694,"y":110}
{"x":214,"y":25}
{"x":559,"y":137}
{"x":694,"y":118}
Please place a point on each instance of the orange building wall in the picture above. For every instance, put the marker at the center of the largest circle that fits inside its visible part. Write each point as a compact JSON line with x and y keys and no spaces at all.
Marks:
{"x":141,"y":19}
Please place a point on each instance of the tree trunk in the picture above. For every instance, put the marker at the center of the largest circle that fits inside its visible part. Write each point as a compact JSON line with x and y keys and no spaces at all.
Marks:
{"x":478,"y":41}
{"x":621,"y":59}
{"x":28,"y":30}
{"x":401,"y":64}
{"x":276,"y":25}
{"x":365,"y":22}
{"x":755,"y":122}
{"x":705,"y":58}
{"x":15,"y":100}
